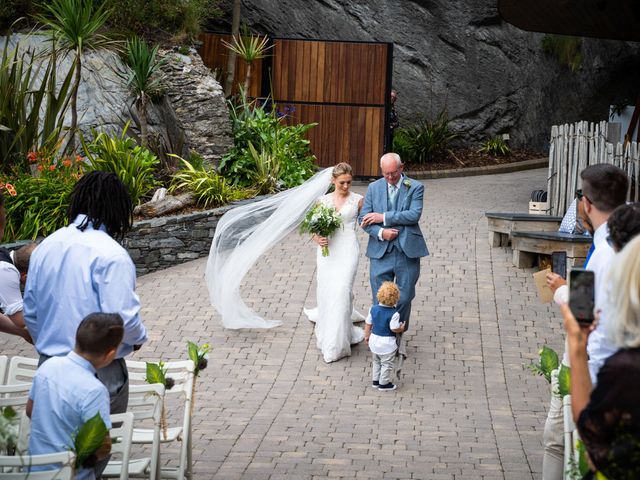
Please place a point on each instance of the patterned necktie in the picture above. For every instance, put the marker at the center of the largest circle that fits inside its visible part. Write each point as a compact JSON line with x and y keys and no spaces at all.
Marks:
{"x":393,"y":194}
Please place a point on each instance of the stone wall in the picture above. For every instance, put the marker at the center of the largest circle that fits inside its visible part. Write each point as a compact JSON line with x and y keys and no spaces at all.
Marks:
{"x":163,"y":242}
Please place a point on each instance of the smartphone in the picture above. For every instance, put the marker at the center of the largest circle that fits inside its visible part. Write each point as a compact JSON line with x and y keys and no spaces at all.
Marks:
{"x":582,"y":295}
{"x":559,"y":263}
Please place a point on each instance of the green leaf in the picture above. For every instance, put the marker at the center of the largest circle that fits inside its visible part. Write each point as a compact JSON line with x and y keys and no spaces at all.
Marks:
{"x":154,"y":373}
{"x":9,"y":413}
{"x":564,"y":381}
{"x":193,"y":353}
{"x":89,"y":438}
{"x":548,"y":361}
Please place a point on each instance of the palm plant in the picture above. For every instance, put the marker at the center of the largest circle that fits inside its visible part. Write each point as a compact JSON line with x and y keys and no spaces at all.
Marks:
{"x":143,"y":78}
{"x":250,"y":48}
{"x":231,"y":60}
{"x":31,"y":115}
{"x":74,"y":27}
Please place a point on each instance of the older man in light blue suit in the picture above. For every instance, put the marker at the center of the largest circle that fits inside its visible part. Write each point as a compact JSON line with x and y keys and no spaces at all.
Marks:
{"x":390,"y":214}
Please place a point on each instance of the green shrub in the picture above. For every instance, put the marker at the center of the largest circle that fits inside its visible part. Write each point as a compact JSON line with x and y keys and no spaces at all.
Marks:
{"x":271,"y":137}
{"x":495,"y":146}
{"x":422,"y":142}
{"x":133,"y":164}
{"x":567,"y":50}
{"x":174,"y":17}
{"x":211,"y":189}
{"x":37,"y":205}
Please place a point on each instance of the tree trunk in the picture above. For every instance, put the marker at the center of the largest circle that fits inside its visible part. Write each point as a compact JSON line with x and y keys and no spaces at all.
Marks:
{"x":247,"y":79}
{"x":142,"y":114}
{"x":166,"y":205}
{"x":231,"y":59}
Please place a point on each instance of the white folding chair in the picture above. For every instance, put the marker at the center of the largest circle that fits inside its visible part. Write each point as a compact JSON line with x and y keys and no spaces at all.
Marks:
{"x":571,"y":452}
{"x":21,"y":370}
{"x":120,"y":445}
{"x":64,"y":471}
{"x":182,"y":391}
{"x":4,"y":361}
{"x":145,"y":404}
{"x":15,"y":396}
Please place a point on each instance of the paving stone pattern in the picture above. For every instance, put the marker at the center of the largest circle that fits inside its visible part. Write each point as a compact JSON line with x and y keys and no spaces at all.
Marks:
{"x":268,"y":407}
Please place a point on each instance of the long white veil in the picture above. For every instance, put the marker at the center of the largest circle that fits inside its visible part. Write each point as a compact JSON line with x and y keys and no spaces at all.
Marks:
{"x":245,"y":233}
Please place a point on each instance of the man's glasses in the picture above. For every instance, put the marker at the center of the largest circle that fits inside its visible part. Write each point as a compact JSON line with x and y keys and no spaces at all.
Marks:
{"x":579,"y":195}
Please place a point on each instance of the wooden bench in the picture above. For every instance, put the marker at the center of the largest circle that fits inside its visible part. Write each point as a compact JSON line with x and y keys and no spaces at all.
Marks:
{"x":501,"y":225}
{"x":528,"y":245}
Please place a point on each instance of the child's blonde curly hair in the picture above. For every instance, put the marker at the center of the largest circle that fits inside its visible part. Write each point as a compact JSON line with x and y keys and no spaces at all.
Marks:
{"x":388,"y":294}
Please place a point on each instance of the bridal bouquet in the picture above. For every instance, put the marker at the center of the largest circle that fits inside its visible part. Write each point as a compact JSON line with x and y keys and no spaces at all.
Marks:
{"x":321,"y":220}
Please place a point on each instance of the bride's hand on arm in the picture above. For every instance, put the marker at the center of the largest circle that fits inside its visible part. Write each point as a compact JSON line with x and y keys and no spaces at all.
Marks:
{"x":321,"y":241}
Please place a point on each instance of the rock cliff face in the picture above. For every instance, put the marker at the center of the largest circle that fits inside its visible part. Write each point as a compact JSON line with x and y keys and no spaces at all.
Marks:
{"x":459,"y":54}
{"x":191,"y":116}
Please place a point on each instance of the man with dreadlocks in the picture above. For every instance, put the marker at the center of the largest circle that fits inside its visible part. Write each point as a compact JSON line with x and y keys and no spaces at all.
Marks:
{"x":82,"y":269}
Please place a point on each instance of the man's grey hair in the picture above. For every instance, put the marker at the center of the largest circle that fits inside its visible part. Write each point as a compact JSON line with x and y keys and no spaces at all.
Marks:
{"x":394,"y":156}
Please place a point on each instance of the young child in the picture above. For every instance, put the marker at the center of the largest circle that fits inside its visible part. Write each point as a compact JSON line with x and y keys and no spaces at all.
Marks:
{"x":66,"y":393}
{"x":382,"y":324}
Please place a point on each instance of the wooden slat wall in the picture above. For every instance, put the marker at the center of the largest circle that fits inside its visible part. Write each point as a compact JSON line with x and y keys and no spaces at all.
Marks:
{"x":343,"y":134}
{"x":329,"y":72}
{"x":214,"y":55}
{"x":341,"y":86}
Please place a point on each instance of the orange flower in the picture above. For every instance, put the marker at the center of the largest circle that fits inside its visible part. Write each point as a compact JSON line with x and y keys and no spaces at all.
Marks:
{"x":11,"y":189}
{"x":32,"y":157}
{"x":66,"y":162}
{"x":78,"y":158}
{"x":52,"y":168}
{"x":40,"y":168}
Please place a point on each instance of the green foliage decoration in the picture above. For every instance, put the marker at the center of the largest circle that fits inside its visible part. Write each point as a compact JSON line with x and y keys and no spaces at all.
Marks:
{"x":199,"y":355}
{"x":423,"y":142}
{"x":548,"y":363}
{"x":134,"y":165}
{"x":566,"y":49}
{"x":31,"y":114}
{"x":495,"y":146}
{"x":564,"y":381}
{"x":89,"y":438}
{"x":279,"y":146}
{"x":36,"y":204}
{"x":211,"y":189}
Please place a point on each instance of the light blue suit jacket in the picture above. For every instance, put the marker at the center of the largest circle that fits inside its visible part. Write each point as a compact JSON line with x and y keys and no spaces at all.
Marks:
{"x":404,"y":218}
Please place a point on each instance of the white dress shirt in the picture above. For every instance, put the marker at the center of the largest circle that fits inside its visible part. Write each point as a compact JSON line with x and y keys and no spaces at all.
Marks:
{"x":10,"y":296}
{"x":73,"y":273}
{"x":599,"y":346}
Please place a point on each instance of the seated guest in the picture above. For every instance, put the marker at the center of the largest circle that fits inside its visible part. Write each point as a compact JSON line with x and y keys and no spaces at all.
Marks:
{"x":66,"y":393}
{"x":13,"y":274}
{"x":608,"y":417}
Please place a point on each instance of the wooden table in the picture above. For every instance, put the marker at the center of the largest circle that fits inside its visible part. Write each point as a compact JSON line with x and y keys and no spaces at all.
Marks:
{"x":501,"y":225}
{"x":528,"y":245}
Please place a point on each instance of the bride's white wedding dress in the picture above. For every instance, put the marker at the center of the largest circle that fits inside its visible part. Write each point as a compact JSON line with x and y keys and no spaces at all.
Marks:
{"x":335,"y":332}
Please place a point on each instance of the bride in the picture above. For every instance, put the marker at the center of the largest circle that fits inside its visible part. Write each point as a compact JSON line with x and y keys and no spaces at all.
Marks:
{"x":247,"y":232}
{"x":335,"y":274}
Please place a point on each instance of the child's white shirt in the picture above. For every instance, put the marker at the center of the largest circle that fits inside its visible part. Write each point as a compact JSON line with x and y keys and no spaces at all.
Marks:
{"x":383,"y":345}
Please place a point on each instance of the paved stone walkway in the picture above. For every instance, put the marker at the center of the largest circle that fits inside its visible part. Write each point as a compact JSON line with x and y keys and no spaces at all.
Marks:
{"x":268,"y":407}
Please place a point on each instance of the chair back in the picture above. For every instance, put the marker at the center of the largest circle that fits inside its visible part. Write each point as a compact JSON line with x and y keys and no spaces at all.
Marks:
{"x":4,"y":362}
{"x":182,"y":372}
{"x":571,"y":452}
{"x":145,"y":402}
{"x":64,"y":471}
{"x":21,"y":370}
{"x":15,"y":396}
{"x":121,"y":440}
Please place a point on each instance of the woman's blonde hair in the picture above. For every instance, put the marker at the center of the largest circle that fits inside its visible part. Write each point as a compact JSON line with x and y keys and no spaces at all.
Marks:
{"x":342,"y":168}
{"x":388,"y":294}
{"x":624,"y":316}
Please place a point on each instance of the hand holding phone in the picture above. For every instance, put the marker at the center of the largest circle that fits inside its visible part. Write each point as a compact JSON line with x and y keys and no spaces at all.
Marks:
{"x":582,"y":295}
{"x":559,"y":263}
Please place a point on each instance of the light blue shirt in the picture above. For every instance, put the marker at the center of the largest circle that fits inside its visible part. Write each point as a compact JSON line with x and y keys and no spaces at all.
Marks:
{"x":65,"y":394}
{"x":72,"y":274}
